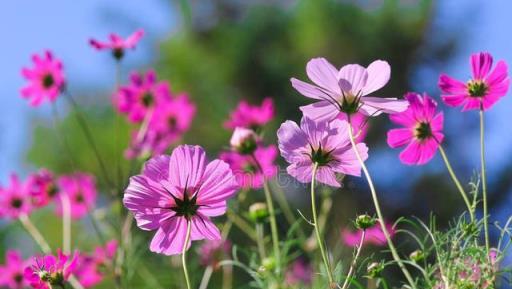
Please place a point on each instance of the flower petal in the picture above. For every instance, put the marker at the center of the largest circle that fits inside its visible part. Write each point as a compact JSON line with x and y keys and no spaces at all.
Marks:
{"x":170,"y":237}
{"x":219,"y":183}
{"x":292,"y":141}
{"x":309,"y":90}
{"x":379,"y":73}
{"x":480,"y":64}
{"x":187,"y":166}
{"x":373,"y":106}
{"x":352,"y":78}
{"x":320,"y":111}
{"x":323,"y":74}
{"x":399,"y":137}
{"x":204,"y":228}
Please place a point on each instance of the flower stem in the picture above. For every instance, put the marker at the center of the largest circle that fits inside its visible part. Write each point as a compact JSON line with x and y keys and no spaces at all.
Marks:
{"x":206,"y":277}
{"x":484,"y":180}
{"x":184,"y":256}
{"x":34,"y":232}
{"x":66,"y":223}
{"x":317,"y":229}
{"x":273,"y":226}
{"x":260,"y":241}
{"x":391,"y":246}
{"x":457,"y":183}
{"x":354,"y":262}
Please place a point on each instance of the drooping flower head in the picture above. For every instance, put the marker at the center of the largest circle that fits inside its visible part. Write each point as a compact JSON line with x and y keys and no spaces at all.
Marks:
{"x":244,"y":140}
{"x":422,"y":132}
{"x":346,"y":91}
{"x":483,"y":90}
{"x":15,"y":199}
{"x":48,"y":271}
{"x":299,"y":273}
{"x":176,"y":190}
{"x":42,"y":187}
{"x":212,"y":252}
{"x":173,"y":116}
{"x":45,"y":79}
{"x":92,"y":268}
{"x":80,"y":190}
{"x":374,"y":236}
{"x":141,"y":95}
{"x":251,"y":170}
{"x":117,"y":44}
{"x":251,"y":116}
{"x":11,"y":273}
{"x":324,"y":143}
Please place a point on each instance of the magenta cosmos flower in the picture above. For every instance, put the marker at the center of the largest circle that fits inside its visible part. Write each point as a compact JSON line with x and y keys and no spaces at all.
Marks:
{"x":324,"y":143}
{"x":346,"y":90}
{"x":49,"y":271}
{"x":45,"y":79}
{"x":252,"y":170}
{"x":299,"y":273}
{"x":212,"y":252}
{"x":91,"y":268}
{"x":175,"y":190}
{"x":11,"y":273}
{"x":251,"y":116}
{"x":15,"y":199}
{"x":80,"y":189}
{"x":374,"y":236}
{"x":42,"y":187}
{"x":117,"y":44}
{"x":483,"y":90}
{"x":422,"y":133}
{"x":141,"y":95}
{"x":173,"y":115}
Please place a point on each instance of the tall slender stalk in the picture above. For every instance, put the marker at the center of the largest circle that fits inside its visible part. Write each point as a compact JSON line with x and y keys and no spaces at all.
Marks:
{"x":354,"y":261}
{"x":457,"y":183}
{"x":184,"y":252}
{"x":317,"y":229}
{"x":376,"y":203}
{"x":66,"y":223}
{"x":34,"y":232}
{"x":484,"y":180}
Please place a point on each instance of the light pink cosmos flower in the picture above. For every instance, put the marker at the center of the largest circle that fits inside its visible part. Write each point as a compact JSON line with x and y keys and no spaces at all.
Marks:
{"x":11,"y":273}
{"x":212,"y":252}
{"x":15,"y":199}
{"x":49,"y":270}
{"x":325,"y":143}
{"x":42,"y":187}
{"x":483,"y":90}
{"x":248,"y":172}
{"x":374,"y":236}
{"x":175,"y":190}
{"x":346,"y":90}
{"x":91,"y":268}
{"x":299,"y":273}
{"x":46,"y":79}
{"x":141,"y":96}
{"x":422,"y":133}
{"x":117,"y":44}
{"x":173,"y":115}
{"x":251,"y":116}
{"x":80,"y":189}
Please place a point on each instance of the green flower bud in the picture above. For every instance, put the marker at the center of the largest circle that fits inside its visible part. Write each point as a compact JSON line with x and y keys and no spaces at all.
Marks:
{"x":417,"y":256}
{"x":364,"y":222}
{"x":375,"y":269}
{"x":258,"y":212}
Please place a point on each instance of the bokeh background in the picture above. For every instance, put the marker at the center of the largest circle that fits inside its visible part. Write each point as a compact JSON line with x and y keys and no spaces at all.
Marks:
{"x":223,"y":51}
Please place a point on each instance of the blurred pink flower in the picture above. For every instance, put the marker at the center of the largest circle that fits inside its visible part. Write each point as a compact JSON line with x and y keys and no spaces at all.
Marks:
{"x":422,"y":132}
{"x":11,"y":273}
{"x":151,"y":143}
{"x":212,"y":252}
{"x":117,"y":44}
{"x":359,"y":123}
{"x":141,"y":96}
{"x":346,"y":90}
{"x":299,"y":273}
{"x":251,"y":116}
{"x":49,"y":269}
{"x":80,"y":189}
{"x":374,"y":236}
{"x":325,"y":143}
{"x":46,"y":79}
{"x":42,"y":187}
{"x":483,"y":90}
{"x":15,"y":199}
{"x":248,"y":172}
{"x":91,"y":268}
{"x":175,"y":190}
{"x":173,"y":116}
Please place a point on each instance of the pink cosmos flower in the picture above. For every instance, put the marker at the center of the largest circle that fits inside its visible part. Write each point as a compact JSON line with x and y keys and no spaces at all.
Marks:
{"x":80,"y":189}
{"x":212,"y":252}
{"x":42,"y":187}
{"x":46,"y":79}
{"x":152,"y":143}
{"x":11,"y":273}
{"x":48,"y":271}
{"x":325,"y":143}
{"x":15,"y":199}
{"x":248,"y":172}
{"x":251,"y":116}
{"x":141,"y":96}
{"x":483,"y":90}
{"x":299,"y":273}
{"x":346,"y":90}
{"x":117,"y":44}
{"x":422,"y":132}
{"x":175,"y":190}
{"x":173,"y":115}
{"x":374,"y":236}
{"x":91,"y":268}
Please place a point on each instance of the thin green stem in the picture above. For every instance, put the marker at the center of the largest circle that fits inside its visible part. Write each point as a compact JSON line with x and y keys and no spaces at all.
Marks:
{"x":273,"y":226}
{"x":66,"y":223}
{"x":184,"y":256}
{"x":457,"y":183}
{"x":206,"y":277}
{"x":34,"y":232}
{"x":376,"y":203}
{"x":317,"y":229}
{"x":354,"y":261}
{"x":260,"y":241}
{"x":484,"y":180}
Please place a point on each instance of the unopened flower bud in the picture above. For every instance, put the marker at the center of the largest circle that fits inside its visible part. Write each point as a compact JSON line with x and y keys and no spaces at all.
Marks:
{"x":258,"y":212}
{"x":417,"y":256}
{"x":374,"y":269}
{"x":364,"y":222}
{"x":244,"y":140}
